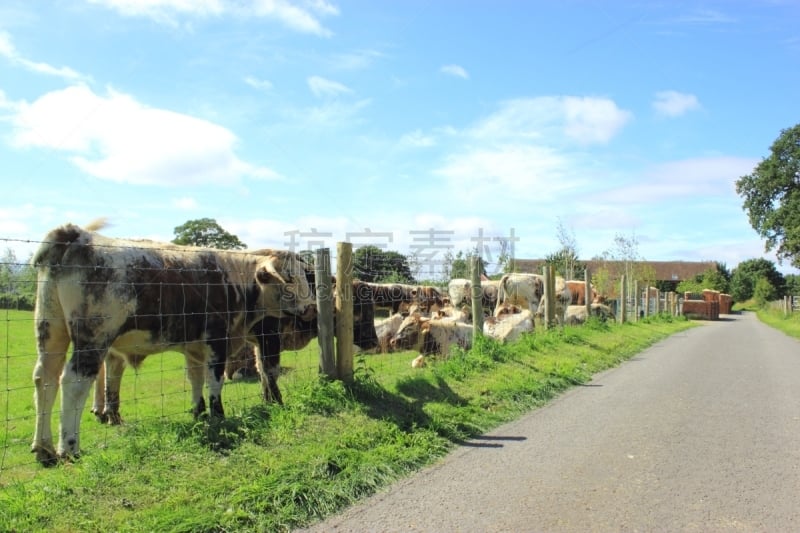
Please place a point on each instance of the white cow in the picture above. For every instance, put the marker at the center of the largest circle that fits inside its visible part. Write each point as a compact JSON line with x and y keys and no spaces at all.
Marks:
{"x":523,"y":290}
{"x":508,"y":327}
{"x":576,"y":314}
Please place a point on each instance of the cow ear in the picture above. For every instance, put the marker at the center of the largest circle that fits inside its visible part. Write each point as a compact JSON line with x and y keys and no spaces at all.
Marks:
{"x":267,"y":273}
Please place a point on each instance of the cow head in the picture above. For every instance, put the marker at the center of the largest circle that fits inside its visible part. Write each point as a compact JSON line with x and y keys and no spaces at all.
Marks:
{"x":282,"y":278}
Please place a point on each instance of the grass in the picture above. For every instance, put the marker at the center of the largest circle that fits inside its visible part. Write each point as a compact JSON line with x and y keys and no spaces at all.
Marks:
{"x":269,"y":468}
{"x":787,"y":323}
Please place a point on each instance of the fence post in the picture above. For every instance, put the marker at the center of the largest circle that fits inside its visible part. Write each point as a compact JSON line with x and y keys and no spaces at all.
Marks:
{"x":344,"y":311}
{"x":623,"y":300}
{"x":636,"y":298}
{"x":322,"y":277}
{"x":588,"y":294}
{"x":477,"y":296}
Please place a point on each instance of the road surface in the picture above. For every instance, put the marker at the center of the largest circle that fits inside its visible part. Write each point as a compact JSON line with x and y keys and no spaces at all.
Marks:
{"x":701,"y":432}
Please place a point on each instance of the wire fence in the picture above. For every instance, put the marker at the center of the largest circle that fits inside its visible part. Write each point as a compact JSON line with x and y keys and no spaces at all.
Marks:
{"x":185,"y":319}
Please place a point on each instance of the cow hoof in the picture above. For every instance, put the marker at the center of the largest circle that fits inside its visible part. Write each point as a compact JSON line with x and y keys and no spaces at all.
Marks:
{"x":45,"y":456}
{"x":101,"y":417}
{"x":113,"y":419}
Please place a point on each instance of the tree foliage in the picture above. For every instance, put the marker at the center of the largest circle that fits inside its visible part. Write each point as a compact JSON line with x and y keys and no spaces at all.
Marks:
{"x":565,"y":260}
{"x":747,"y":273}
{"x":17,"y":282}
{"x":772,"y":196}
{"x":715,"y":279}
{"x":207,"y":233}
{"x":372,"y":264}
{"x":459,"y":265}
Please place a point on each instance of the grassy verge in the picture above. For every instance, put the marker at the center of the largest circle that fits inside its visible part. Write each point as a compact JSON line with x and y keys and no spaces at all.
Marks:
{"x":787,"y":323}
{"x":268,"y":468}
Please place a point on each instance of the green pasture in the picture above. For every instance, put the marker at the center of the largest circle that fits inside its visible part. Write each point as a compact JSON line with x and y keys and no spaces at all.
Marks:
{"x":274,"y":468}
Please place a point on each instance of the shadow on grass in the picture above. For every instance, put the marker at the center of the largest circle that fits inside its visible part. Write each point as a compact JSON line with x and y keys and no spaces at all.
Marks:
{"x":405,"y":409}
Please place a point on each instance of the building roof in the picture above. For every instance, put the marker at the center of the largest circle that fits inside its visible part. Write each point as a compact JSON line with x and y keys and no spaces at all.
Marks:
{"x":662,"y":270}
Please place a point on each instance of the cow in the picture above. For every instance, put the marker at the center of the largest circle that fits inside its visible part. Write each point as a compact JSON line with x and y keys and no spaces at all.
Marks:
{"x":460,"y":292}
{"x":386,"y":329}
{"x":396,"y":297}
{"x":257,"y":356}
{"x":509,"y":325}
{"x":427,"y":298}
{"x":523,"y":290}
{"x":577,"y":293}
{"x":576,"y":314}
{"x":430,"y":336}
{"x":135,"y":298}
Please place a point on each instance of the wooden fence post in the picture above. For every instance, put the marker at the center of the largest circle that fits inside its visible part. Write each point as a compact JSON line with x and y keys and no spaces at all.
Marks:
{"x":588,"y":294}
{"x":477,"y":296}
{"x":344,"y":311}
{"x":322,"y":277}
{"x":636,"y":298}
{"x":623,"y":299}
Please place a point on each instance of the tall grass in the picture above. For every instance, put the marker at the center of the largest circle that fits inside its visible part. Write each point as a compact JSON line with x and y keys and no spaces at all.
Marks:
{"x":273,"y":468}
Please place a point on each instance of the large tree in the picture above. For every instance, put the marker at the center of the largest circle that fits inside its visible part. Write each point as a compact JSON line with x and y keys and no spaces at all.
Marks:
{"x":207,"y":233}
{"x":372,"y":264}
{"x":746,"y":275}
{"x":772,"y":196}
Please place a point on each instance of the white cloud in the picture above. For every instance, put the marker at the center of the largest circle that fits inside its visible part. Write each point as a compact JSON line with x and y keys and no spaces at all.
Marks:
{"x":417,"y":139}
{"x":693,"y":178}
{"x":705,"y":16}
{"x":114,"y":137}
{"x":674,"y":104}
{"x":186,"y":203}
{"x":357,"y":60}
{"x":302,"y":19}
{"x":323,"y":87}
{"x":261,"y":85}
{"x":455,"y":70}
{"x":9,"y":51}
{"x":554,"y":119}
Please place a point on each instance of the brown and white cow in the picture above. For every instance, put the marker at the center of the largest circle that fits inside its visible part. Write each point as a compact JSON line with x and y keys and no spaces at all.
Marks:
{"x":430,"y":336}
{"x":138,"y":298}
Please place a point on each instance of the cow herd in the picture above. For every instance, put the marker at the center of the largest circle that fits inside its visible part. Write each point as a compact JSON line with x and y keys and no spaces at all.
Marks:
{"x":117,"y":301}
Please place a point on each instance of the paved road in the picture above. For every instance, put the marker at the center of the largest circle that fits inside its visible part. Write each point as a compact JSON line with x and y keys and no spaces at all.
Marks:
{"x":701,"y":432}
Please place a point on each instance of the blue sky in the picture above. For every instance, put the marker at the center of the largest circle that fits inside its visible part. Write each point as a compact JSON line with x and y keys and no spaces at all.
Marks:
{"x":418,"y":127}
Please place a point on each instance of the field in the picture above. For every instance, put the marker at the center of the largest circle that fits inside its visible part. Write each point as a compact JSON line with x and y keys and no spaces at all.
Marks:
{"x":269,"y":468}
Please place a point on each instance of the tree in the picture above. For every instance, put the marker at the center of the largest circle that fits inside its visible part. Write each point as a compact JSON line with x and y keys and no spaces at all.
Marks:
{"x":715,"y":279}
{"x":746,"y":274}
{"x":17,"y":282}
{"x":207,"y":233}
{"x":372,"y":264}
{"x":460,"y":265}
{"x":764,"y":292}
{"x":565,"y":260}
{"x":772,"y":196}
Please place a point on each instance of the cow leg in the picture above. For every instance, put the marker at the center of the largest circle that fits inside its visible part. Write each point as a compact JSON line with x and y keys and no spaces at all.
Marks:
{"x":52,"y":342}
{"x":196,"y":372}
{"x":111,"y":372}
{"x":99,"y":400}
{"x":268,"y":360}
{"x":216,"y":374}
{"x":76,"y":383}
